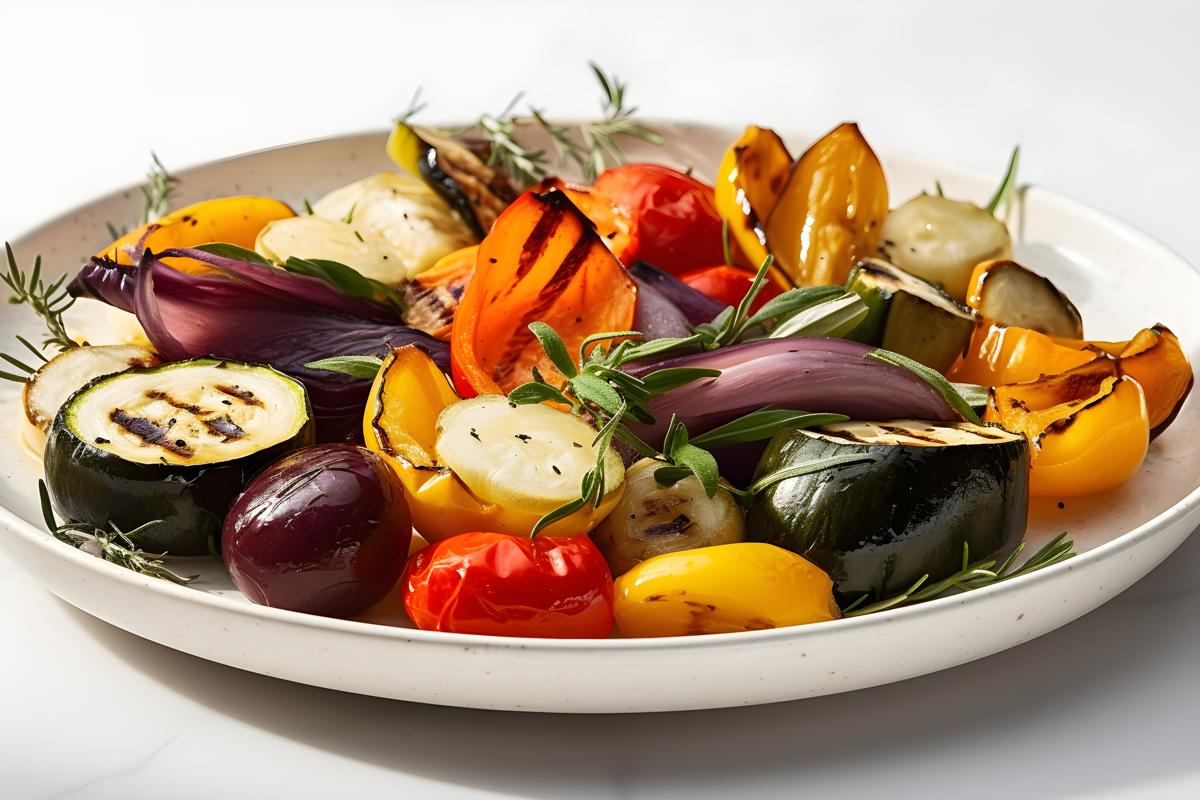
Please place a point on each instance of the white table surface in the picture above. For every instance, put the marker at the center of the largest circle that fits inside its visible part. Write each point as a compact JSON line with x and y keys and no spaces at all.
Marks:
{"x":1103,"y":101}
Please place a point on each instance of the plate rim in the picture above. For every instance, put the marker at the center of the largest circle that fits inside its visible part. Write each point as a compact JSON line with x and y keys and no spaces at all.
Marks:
{"x":1185,"y":507}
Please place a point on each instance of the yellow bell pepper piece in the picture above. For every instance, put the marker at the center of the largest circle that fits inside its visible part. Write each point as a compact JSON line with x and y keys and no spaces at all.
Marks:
{"x":730,"y":587}
{"x":1088,"y":427}
{"x":400,"y":425}
{"x":749,"y":180}
{"x":233,"y":220}
{"x":999,"y":355}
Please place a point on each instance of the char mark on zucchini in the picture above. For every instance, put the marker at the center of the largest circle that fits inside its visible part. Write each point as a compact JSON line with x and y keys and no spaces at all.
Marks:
{"x":238,"y":393}
{"x":151,"y":433}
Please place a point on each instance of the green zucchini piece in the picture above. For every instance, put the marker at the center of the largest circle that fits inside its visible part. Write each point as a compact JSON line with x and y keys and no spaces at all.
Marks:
{"x":176,"y":443}
{"x":877,"y":527}
{"x":1010,"y":294}
{"x":456,"y":168}
{"x":910,"y":316}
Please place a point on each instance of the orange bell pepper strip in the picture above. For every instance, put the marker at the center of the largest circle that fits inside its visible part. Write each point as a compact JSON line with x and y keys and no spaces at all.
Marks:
{"x":1088,"y":427}
{"x":542,"y":260}
{"x":999,"y":355}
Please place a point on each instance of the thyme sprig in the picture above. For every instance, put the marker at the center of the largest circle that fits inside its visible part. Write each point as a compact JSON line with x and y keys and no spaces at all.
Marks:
{"x":158,"y":190}
{"x":972,"y":576}
{"x":113,"y":545}
{"x":1008,"y":184}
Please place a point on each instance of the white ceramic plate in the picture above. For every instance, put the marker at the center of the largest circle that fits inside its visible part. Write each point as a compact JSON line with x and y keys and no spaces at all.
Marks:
{"x":1121,"y":279}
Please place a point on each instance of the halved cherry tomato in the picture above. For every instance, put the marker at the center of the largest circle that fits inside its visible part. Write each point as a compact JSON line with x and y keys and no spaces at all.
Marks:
{"x":676,"y":226}
{"x":542,"y":261}
{"x":490,"y":583}
{"x":729,"y":285}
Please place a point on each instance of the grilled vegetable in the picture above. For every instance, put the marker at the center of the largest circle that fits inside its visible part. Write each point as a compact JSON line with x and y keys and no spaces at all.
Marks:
{"x":1006,"y":293}
{"x":746,"y":586}
{"x":400,"y":423}
{"x":941,"y":240}
{"x":431,"y":299}
{"x":59,"y":378}
{"x":233,"y":220}
{"x":314,"y":237}
{"x":542,"y":261}
{"x":489,"y":583}
{"x":527,"y":457}
{"x":1155,"y":359}
{"x":1088,"y":427}
{"x":458,"y":170}
{"x":878,"y":526}
{"x":292,"y":320}
{"x":651,"y":519}
{"x":411,"y":217}
{"x":830,"y":212}
{"x":175,"y":443}
{"x":910,"y":316}
{"x":325,"y":530}
{"x":999,"y":354}
{"x":675,"y":225}
{"x":751,"y":176}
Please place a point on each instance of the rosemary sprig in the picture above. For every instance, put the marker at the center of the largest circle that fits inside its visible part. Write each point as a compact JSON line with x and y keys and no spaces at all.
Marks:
{"x":1008,"y":184}
{"x":49,"y":302}
{"x":971,"y":576}
{"x":592,"y":146}
{"x":114,"y":545}
{"x":157,"y":191}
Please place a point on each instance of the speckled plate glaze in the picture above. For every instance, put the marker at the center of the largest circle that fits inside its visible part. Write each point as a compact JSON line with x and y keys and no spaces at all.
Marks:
{"x":1109,"y":269}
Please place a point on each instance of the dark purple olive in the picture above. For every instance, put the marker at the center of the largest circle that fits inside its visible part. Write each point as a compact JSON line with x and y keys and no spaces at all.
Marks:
{"x":325,"y":531}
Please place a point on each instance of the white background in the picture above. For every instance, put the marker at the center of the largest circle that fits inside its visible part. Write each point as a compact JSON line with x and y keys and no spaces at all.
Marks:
{"x":1103,"y":99}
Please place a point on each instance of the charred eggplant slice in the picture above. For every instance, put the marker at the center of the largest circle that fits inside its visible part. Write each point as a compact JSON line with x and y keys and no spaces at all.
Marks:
{"x":878,"y":526}
{"x":175,"y":443}
{"x":1005,"y":292}
{"x":910,"y":316}
{"x":457,"y":169}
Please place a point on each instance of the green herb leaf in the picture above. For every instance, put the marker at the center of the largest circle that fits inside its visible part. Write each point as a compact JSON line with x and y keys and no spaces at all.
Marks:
{"x":934,"y":379}
{"x":700,"y":462}
{"x":975,"y":396}
{"x":793,"y":301}
{"x":759,"y":425}
{"x":226,"y":250}
{"x":535,"y":392}
{"x":591,"y":389}
{"x":726,"y":245}
{"x":346,"y":280}
{"x":354,"y":366}
{"x":552,"y":343}
{"x":834,"y":318}
{"x":664,"y":380}
{"x":49,"y":302}
{"x":818,"y":465}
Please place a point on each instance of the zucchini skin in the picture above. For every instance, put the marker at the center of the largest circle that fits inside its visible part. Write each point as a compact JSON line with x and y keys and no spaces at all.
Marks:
{"x":96,"y":487}
{"x":877,"y":527}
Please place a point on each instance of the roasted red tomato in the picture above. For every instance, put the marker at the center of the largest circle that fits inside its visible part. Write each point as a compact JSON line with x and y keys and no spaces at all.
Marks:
{"x":676,"y":226}
{"x":552,"y":586}
{"x":729,"y":285}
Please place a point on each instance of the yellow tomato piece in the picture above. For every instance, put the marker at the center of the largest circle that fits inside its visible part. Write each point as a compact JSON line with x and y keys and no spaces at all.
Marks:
{"x":730,"y":587}
{"x":1088,"y":427}
{"x":233,"y":220}
{"x":400,"y":424}
{"x":749,"y":180}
